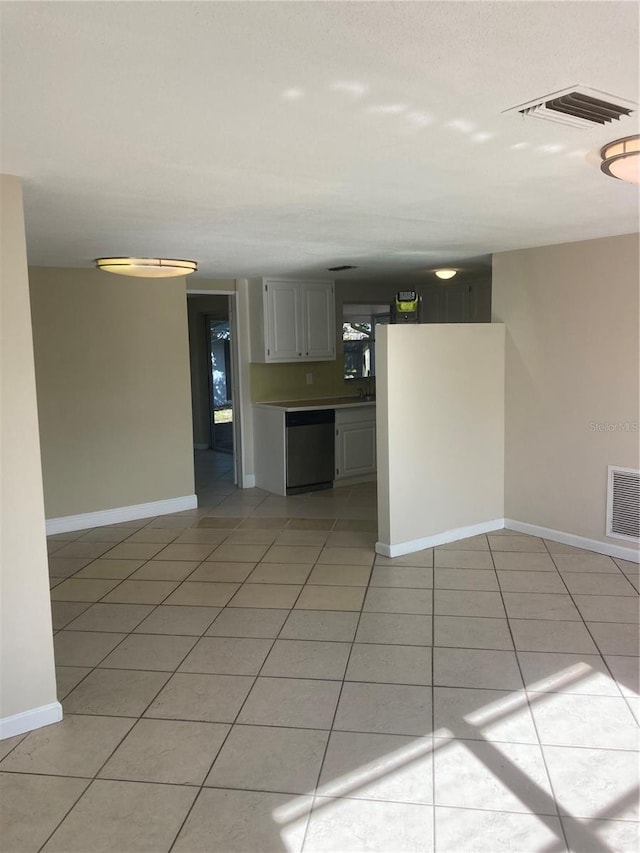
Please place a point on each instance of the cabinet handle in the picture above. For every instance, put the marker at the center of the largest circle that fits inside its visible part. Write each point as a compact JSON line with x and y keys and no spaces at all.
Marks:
{"x":299,"y":353}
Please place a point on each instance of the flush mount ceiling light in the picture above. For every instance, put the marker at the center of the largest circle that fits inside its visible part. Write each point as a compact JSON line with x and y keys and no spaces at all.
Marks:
{"x":147,"y":267}
{"x":445,"y":273}
{"x":621,"y":159}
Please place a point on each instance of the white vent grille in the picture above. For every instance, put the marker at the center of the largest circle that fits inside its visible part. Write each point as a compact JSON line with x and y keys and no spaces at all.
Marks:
{"x":623,"y":503}
{"x":577,"y":106}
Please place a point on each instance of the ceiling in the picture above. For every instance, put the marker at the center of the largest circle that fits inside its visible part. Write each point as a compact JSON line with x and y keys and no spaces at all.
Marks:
{"x":285,"y":138}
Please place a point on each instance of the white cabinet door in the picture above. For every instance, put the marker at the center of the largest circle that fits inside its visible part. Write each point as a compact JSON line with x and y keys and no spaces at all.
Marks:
{"x":292,"y":321}
{"x":456,"y":303}
{"x":319,"y":325}
{"x":432,"y":304}
{"x":355,"y":449}
{"x":283,"y":332}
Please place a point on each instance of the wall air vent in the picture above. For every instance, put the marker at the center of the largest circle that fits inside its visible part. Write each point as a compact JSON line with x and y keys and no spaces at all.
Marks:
{"x":623,"y":503}
{"x":577,"y":106}
{"x":341,"y":269}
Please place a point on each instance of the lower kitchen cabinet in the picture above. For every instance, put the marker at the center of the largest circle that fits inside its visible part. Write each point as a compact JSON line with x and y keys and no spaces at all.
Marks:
{"x":356,"y":443}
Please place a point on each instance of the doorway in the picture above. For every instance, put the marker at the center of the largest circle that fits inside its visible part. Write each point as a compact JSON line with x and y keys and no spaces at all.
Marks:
{"x":218,"y":336}
{"x":214,"y":396}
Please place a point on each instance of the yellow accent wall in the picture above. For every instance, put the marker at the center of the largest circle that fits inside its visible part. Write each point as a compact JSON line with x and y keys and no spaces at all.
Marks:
{"x":288,"y":381}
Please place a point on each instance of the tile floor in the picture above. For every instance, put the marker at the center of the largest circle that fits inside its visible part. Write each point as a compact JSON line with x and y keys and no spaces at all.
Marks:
{"x":249,"y":676}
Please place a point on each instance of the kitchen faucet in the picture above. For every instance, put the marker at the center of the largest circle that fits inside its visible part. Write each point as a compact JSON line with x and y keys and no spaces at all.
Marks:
{"x":368,"y":389}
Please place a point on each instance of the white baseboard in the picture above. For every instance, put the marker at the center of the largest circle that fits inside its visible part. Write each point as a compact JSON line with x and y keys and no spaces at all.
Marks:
{"x":248,"y":481}
{"x":413,"y":545}
{"x":27,"y":721}
{"x":607,"y":548}
{"x":67,"y":523}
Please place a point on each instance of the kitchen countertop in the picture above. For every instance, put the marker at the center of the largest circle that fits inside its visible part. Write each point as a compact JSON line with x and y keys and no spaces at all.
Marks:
{"x":321,"y":403}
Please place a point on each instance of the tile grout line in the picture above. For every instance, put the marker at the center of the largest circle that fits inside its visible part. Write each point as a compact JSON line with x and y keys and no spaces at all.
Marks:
{"x":231,"y":725}
{"x":563,"y":838}
{"x":273,"y":643}
{"x":67,"y":813}
{"x":255,"y":681}
{"x":625,"y":698}
{"x":314,"y":795}
{"x":137,"y":719}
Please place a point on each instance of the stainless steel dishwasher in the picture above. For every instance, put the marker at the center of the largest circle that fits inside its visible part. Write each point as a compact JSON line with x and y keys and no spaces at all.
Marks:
{"x":310,"y":450}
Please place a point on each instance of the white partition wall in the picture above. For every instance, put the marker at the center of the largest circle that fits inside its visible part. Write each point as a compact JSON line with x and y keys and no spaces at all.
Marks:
{"x":440,"y":408}
{"x":27,"y":674}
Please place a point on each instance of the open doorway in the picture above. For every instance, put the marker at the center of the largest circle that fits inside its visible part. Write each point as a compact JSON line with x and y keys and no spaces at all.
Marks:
{"x":213,"y":382}
{"x":220,"y":384}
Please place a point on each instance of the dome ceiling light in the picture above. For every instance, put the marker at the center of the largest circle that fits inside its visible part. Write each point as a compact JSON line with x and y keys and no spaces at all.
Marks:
{"x":621,"y":159}
{"x":147,"y":267}
{"x":446,"y":273}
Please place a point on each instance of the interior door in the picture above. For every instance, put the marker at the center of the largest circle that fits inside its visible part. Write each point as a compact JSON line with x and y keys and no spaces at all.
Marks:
{"x":456,"y":303}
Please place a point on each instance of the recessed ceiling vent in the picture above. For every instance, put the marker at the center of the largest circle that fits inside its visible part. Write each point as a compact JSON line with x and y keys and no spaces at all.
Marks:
{"x":341,"y":269}
{"x":577,"y":107}
{"x":623,"y":503}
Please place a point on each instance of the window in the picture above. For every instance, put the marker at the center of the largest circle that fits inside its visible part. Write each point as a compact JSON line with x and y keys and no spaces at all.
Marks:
{"x":220,"y":376}
{"x":359,"y":338}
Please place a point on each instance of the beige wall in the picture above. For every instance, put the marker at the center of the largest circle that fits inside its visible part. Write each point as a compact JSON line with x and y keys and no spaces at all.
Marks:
{"x":27,"y":675}
{"x":440,"y":411}
{"x":571,"y":313}
{"x":112,"y":372}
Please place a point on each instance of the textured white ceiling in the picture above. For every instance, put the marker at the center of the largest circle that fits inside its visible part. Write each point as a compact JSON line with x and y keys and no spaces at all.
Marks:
{"x":284,"y":138}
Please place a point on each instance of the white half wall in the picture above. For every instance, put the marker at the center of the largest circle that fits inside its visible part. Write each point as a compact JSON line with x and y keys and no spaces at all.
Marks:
{"x":27,"y":673}
{"x":440,"y":410}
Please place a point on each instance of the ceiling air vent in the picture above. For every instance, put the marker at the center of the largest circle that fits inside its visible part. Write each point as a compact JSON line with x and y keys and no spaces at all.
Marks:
{"x":623,"y":503}
{"x":341,"y":269}
{"x":577,"y":106}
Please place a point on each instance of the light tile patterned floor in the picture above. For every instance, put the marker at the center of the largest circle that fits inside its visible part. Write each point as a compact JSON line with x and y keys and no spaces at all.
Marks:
{"x":250,"y":677}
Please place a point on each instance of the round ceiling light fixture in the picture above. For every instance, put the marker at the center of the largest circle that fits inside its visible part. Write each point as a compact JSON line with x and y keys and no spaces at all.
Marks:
{"x":147,"y":267}
{"x":446,"y":273}
{"x":621,"y":159}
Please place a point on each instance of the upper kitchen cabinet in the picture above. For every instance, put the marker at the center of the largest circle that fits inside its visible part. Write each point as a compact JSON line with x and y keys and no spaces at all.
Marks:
{"x":462,"y":302}
{"x":292,"y":320}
